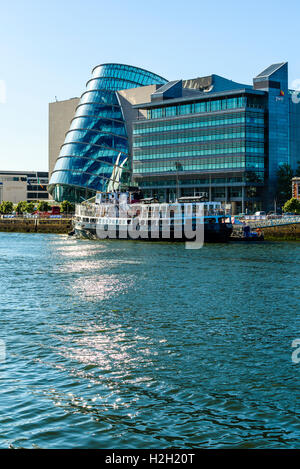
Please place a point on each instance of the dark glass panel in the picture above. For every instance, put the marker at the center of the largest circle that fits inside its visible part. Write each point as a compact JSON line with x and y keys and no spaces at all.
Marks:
{"x":99,"y":110}
{"x":94,"y":123}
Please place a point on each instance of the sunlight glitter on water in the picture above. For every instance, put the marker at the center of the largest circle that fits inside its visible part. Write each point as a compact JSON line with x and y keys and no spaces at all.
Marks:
{"x":140,"y":345}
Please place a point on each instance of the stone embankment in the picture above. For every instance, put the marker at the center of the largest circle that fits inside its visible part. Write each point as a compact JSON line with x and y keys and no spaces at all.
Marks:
{"x":36,"y":225}
{"x":282,"y":232}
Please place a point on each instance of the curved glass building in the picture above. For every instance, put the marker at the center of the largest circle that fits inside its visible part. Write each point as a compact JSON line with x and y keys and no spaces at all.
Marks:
{"x":94,"y":156}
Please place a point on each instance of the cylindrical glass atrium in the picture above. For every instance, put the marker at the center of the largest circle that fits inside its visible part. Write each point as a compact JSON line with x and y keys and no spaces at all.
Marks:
{"x":94,"y":156}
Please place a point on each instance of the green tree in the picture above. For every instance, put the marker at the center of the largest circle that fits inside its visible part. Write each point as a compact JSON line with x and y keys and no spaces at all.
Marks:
{"x":67,"y":207}
{"x":6,"y":207}
{"x":43,"y":206}
{"x":292,"y":205}
{"x":30,"y":207}
{"x":284,"y":183}
{"x":21,"y":207}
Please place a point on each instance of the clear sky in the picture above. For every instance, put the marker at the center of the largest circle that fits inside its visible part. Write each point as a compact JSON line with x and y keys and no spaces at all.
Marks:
{"x":48,"y":48}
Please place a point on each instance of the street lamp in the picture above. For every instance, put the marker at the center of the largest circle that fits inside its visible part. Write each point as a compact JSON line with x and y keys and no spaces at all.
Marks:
{"x":179,"y":167}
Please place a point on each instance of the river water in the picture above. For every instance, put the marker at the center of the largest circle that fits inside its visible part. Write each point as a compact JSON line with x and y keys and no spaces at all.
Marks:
{"x":123,"y":344}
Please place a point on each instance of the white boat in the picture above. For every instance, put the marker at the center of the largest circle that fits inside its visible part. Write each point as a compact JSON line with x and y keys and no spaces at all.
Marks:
{"x":117,"y":218}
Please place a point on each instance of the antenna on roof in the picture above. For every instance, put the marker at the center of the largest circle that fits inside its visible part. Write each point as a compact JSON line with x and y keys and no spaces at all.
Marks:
{"x":56,"y":99}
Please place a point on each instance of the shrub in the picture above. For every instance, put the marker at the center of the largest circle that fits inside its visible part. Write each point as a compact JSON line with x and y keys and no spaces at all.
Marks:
{"x":67,"y":207}
{"x":43,"y":206}
{"x":6,"y":207}
{"x":292,"y":205}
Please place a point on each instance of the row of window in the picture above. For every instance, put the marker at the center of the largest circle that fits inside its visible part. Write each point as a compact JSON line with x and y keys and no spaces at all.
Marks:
{"x":89,"y":151}
{"x":250,"y":159}
{"x":113,"y":84}
{"x":188,"y":182}
{"x":96,"y":138}
{"x":203,"y":150}
{"x":96,"y":123}
{"x":203,"y":106}
{"x":37,"y":195}
{"x":77,"y":178}
{"x":130,"y":73}
{"x":212,"y":121}
{"x":99,"y":110}
{"x":31,"y":187}
{"x":201,"y":164}
{"x":24,"y":179}
{"x":12,"y":178}
{"x":194,"y":138}
{"x":102,"y":125}
{"x":86,"y":164}
{"x":101,"y":96}
{"x":248,"y":177}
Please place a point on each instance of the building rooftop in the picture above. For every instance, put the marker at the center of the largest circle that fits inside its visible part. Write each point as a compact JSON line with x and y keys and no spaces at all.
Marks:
{"x":197,"y":96}
{"x":270,"y":70}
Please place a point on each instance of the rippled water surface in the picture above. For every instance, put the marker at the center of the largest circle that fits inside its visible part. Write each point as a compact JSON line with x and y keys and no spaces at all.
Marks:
{"x":120,"y":344}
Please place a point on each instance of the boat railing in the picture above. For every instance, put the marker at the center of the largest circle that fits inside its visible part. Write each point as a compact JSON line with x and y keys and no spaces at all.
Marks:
{"x":150,"y":211}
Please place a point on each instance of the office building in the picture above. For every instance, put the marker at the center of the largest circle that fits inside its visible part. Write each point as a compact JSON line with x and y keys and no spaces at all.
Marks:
{"x":17,"y":186}
{"x":181,"y":138}
{"x":60,"y":115}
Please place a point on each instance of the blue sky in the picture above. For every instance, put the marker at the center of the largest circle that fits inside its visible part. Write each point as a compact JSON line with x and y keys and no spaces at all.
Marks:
{"x":48,"y":48}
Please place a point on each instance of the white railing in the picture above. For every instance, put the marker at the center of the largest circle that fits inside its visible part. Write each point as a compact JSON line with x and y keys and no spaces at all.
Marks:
{"x":273,"y":222}
{"x":149,"y":210}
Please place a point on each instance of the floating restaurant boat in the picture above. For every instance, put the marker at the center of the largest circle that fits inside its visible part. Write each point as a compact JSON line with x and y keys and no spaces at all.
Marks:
{"x":121,"y":218}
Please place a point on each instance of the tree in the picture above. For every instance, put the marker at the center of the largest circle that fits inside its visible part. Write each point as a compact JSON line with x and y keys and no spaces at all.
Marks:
{"x":67,"y":207}
{"x":292,"y":205}
{"x":6,"y":207}
{"x":284,"y":183}
{"x":43,"y":206}
{"x":30,"y":207}
{"x":21,"y":207}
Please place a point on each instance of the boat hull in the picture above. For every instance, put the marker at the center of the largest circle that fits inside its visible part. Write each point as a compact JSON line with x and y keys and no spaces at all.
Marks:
{"x":213,"y":232}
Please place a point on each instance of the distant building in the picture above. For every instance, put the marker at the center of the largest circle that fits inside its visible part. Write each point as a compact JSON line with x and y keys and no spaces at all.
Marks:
{"x":179,"y":138}
{"x":16,"y":186}
{"x":60,"y":115}
{"x":296,"y":187}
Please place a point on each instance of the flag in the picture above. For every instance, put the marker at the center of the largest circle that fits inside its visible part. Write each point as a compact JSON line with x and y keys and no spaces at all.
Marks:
{"x":281,"y":93}
{"x":38,"y":180}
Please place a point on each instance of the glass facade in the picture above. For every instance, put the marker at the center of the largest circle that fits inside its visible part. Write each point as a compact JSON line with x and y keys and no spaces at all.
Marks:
{"x":294,"y":101}
{"x":278,"y":108}
{"x":189,"y":135}
{"x":203,"y":106}
{"x":223,"y":139}
{"x":213,"y":145}
{"x":94,"y":156}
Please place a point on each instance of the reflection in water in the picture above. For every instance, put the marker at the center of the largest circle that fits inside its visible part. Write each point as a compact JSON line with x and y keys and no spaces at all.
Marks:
{"x":78,"y":251}
{"x":101,"y":287}
{"x":140,"y":345}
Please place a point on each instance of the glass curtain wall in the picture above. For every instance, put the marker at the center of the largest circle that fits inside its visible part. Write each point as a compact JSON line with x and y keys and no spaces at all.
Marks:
{"x":94,"y":156}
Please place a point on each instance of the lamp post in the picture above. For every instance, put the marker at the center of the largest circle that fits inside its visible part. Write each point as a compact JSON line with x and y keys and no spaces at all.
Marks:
{"x":178,"y":168}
